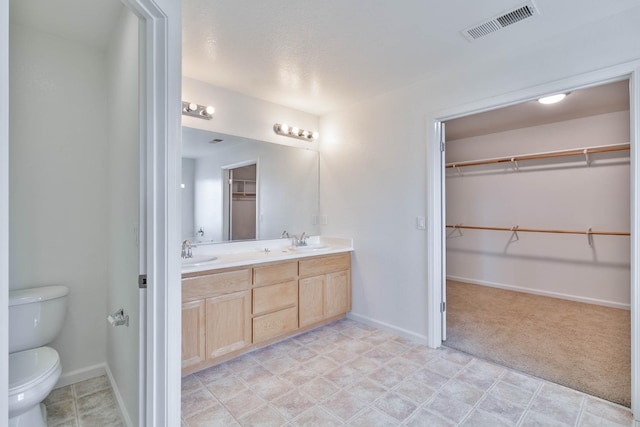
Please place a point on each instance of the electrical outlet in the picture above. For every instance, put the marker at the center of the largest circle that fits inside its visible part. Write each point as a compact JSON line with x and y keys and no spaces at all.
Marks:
{"x":420,"y":223}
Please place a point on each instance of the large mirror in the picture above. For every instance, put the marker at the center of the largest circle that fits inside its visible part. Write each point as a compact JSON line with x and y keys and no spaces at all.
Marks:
{"x":235,"y":188}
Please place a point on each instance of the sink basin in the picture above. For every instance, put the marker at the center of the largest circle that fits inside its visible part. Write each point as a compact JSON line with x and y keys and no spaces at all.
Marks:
{"x":197,"y":260}
{"x":310,"y":248}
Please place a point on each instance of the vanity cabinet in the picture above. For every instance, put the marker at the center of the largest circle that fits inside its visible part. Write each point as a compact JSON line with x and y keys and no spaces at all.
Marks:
{"x":325,"y":288}
{"x":275,"y":300}
{"x":216,"y":310}
{"x":227,"y":312}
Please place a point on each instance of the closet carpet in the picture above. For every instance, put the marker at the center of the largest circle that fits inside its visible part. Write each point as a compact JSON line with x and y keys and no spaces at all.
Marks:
{"x":582,"y":346}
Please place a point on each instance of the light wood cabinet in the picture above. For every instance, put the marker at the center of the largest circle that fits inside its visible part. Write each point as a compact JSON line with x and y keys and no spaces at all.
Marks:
{"x":227,"y":312}
{"x":337,"y":298}
{"x":311,"y":300}
{"x":216,"y":313}
{"x":326,"y":293}
{"x":275,"y":300}
{"x":193,"y":333}
{"x":228,"y":327}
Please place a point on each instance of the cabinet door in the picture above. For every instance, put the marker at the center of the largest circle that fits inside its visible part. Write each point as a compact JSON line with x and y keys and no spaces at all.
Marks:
{"x":337,"y":299}
{"x":228,"y":323}
{"x":193,"y":333}
{"x":311,"y":300}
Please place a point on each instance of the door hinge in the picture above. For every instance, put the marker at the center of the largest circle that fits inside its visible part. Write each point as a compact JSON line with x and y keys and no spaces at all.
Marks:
{"x":443,"y":307}
{"x":142,"y":281}
{"x":442,"y":147}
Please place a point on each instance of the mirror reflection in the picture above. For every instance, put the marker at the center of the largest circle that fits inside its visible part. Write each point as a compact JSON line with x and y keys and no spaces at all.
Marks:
{"x":236,"y":188}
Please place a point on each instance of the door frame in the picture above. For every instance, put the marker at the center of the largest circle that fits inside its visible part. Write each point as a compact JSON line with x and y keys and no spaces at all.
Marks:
{"x":436,"y":268}
{"x":160,"y":118}
{"x":4,"y":209}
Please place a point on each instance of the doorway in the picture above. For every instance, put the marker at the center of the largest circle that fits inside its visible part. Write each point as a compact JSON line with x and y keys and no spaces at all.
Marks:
{"x":528,"y":285}
{"x":436,"y":256}
{"x":241,"y":192}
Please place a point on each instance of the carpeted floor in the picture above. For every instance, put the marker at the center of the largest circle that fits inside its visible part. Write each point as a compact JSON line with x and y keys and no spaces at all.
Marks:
{"x":582,"y":346}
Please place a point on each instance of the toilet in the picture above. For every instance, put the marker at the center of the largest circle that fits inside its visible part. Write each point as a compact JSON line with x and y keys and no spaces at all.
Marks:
{"x":36,"y":316}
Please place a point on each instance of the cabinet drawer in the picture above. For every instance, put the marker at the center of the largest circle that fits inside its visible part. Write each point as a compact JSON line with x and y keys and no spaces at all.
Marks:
{"x":225,"y":282}
{"x":275,"y":297}
{"x":275,"y":273}
{"x":274,"y":324}
{"x":324,"y":265}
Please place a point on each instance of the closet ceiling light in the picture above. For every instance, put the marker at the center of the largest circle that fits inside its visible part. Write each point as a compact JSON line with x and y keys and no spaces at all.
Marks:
{"x":294,"y":132}
{"x":552,"y":99}
{"x":196,"y":110}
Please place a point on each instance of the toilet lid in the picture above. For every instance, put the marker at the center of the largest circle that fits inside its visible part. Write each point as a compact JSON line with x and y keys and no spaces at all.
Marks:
{"x":31,"y":366}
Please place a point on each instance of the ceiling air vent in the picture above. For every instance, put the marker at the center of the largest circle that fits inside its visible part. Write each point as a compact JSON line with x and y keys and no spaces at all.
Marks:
{"x":501,"y":21}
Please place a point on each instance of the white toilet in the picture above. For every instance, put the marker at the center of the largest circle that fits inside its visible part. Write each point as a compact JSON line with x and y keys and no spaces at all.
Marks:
{"x":35,"y":319}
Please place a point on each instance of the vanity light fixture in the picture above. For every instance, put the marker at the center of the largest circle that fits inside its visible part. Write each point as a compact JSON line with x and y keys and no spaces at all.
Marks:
{"x":294,"y":132}
{"x":552,"y":99}
{"x":197,"y":110}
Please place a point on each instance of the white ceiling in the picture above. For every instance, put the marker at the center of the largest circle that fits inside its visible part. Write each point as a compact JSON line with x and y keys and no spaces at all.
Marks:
{"x":319,"y":56}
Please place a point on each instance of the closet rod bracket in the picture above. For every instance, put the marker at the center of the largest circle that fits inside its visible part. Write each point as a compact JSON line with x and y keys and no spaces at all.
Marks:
{"x":590,"y":237}
{"x":514,"y":231}
{"x":586,"y":157}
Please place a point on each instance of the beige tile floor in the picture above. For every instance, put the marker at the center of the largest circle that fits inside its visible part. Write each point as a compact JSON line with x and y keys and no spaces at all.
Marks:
{"x":88,"y":403}
{"x":347,"y":373}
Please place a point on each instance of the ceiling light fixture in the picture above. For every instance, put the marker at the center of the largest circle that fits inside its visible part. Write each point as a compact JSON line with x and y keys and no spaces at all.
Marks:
{"x":552,"y":99}
{"x":294,"y":132}
{"x":196,"y":110}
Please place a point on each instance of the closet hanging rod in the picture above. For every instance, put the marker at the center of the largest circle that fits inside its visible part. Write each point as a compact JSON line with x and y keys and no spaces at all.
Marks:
{"x":542,"y":155}
{"x":540,"y":230}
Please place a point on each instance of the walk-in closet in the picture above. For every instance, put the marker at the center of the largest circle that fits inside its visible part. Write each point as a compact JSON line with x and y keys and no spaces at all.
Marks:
{"x":538,"y":239}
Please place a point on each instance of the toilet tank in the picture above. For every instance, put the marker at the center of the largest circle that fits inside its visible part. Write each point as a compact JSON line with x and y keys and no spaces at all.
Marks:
{"x":36,"y":316}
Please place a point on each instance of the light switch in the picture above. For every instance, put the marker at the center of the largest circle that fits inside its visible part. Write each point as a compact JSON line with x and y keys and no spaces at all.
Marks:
{"x":420,"y":223}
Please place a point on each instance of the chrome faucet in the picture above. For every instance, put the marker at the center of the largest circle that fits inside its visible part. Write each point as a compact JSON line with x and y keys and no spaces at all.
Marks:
{"x":186,"y":250}
{"x":299,"y":241}
{"x":284,"y":235}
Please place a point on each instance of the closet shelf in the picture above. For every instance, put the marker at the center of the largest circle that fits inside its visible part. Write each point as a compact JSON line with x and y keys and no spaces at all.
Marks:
{"x":541,"y":230}
{"x":543,"y":155}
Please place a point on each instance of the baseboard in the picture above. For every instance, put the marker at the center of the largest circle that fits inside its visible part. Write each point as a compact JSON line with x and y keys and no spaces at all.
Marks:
{"x":83,"y":374}
{"x":422,"y":339}
{"x":559,"y":295}
{"x":116,"y":392}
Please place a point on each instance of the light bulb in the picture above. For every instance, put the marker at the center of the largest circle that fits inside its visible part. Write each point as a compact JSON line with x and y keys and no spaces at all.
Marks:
{"x":552,"y":99}
{"x":315,"y":135}
{"x":294,"y":131}
{"x":305,"y":134}
{"x":192,"y":106}
{"x":210,"y":110}
{"x":284,"y":128}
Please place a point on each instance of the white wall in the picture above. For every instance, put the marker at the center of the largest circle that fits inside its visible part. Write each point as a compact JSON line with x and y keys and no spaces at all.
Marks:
{"x":123,"y":199}
{"x":373,"y":156}
{"x":241,"y":115}
{"x":549,"y":194}
{"x":58,"y":183}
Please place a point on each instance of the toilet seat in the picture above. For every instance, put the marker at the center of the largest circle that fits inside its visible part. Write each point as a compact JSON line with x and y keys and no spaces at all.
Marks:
{"x":28,"y":368}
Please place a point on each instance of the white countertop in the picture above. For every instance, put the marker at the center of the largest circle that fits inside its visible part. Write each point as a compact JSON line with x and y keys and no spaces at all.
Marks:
{"x":237,"y":254}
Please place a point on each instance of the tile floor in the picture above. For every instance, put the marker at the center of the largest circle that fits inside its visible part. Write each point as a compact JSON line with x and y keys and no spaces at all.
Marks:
{"x":347,"y":373}
{"x":88,"y":403}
